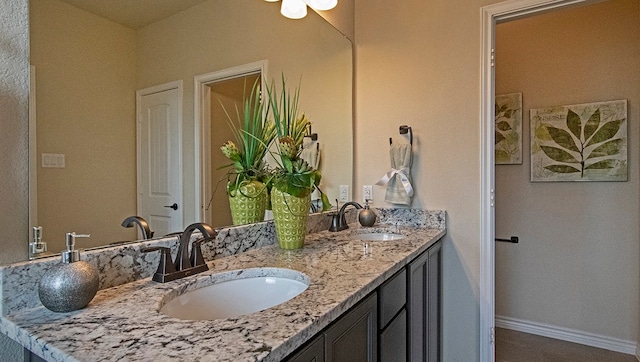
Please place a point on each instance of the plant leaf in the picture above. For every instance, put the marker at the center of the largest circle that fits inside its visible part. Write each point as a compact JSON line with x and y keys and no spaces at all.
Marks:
{"x":592,"y":124}
{"x":574,"y":123}
{"x":606,"y":149}
{"x":562,"y":138}
{"x":499,"y":138}
{"x":503,"y":126}
{"x":602,"y":165}
{"x":558,"y":154}
{"x":607,"y":131}
{"x":562,"y":169}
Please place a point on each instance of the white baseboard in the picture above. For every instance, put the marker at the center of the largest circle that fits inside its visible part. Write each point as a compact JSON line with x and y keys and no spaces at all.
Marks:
{"x":570,"y":335}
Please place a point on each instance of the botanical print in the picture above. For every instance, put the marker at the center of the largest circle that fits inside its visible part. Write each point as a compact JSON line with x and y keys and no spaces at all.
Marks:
{"x":508,"y":133}
{"x":582,"y":142}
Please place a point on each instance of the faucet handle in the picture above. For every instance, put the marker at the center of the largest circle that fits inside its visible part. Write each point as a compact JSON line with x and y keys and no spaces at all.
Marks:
{"x":196,"y":257}
{"x":165,"y":266}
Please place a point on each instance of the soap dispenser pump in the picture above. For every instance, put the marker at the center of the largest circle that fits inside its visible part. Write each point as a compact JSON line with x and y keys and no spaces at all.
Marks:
{"x":70,"y":285}
{"x":367,"y":217}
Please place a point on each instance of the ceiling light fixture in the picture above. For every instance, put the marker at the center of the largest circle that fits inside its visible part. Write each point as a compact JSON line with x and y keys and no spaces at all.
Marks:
{"x":297,"y":9}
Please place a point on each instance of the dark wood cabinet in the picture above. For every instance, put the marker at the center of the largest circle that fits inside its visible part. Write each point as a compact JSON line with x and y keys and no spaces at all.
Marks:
{"x":354,"y":337}
{"x":424,"y":306}
{"x":400,"y":321}
{"x":312,"y":352}
{"x":351,"y":338}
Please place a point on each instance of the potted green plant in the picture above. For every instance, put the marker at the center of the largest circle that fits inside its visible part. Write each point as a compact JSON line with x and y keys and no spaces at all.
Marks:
{"x":253,"y":133}
{"x":293,"y":179}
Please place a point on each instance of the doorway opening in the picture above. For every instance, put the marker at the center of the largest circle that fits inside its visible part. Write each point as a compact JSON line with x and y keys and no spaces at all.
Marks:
{"x":225,"y":88}
{"x":491,"y":15}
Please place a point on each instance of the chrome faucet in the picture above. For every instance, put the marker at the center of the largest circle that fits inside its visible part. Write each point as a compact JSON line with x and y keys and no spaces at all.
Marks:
{"x":338,"y":221}
{"x":147,"y":233}
{"x":184,"y":264}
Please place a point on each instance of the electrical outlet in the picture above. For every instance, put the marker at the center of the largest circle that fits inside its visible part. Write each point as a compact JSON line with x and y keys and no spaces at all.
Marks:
{"x":367,"y":193}
{"x":344,"y":193}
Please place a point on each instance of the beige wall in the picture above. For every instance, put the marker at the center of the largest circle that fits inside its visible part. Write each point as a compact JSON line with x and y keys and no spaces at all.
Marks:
{"x":417,"y":63}
{"x":85,"y":91}
{"x":202,"y":40}
{"x":341,"y":17}
{"x":14,"y":95}
{"x":577,"y":264}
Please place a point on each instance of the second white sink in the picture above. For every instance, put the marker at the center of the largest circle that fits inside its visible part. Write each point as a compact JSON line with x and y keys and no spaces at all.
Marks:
{"x":377,"y":236}
{"x":252,"y":291}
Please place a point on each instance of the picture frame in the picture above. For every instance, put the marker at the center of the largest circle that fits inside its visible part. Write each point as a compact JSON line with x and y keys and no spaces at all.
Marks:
{"x":580,"y":142}
{"x":508,"y":129}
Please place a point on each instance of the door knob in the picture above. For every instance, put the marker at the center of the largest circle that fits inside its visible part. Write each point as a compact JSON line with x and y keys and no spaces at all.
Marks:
{"x":174,"y":206}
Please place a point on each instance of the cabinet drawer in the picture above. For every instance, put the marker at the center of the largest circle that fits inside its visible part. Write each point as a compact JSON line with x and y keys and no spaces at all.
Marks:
{"x":392,"y":297}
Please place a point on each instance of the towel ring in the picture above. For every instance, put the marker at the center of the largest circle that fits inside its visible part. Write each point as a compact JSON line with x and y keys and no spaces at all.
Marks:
{"x":404,"y":129}
{"x":313,"y":136}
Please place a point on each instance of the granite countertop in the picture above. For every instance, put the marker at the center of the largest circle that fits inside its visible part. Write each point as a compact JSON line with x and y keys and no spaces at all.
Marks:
{"x":122,"y":323}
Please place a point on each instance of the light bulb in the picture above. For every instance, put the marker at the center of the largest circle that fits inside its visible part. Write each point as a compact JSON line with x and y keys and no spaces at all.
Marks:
{"x":271,"y":1}
{"x":294,"y":9}
{"x":322,"y":4}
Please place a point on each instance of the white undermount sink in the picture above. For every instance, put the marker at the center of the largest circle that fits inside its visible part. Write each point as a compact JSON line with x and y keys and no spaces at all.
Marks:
{"x":237,"y":293}
{"x":377,"y":236}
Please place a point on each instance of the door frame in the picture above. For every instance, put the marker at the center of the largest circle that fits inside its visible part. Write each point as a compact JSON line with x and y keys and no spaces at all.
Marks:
{"x":491,"y":15}
{"x":177,"y":84}
{"x":202,"y":120}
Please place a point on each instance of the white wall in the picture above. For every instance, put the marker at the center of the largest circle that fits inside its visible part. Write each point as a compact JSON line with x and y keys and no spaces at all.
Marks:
{"x":14,"y":95}
{"x":577,"y":263}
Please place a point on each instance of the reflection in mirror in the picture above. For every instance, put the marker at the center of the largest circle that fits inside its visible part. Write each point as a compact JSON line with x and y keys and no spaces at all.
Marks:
{"x":227,"y":92}
{"x":88,"y":69}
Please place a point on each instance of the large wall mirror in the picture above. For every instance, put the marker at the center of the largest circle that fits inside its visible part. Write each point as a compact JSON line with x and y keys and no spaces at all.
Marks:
{"x":87,"y":66}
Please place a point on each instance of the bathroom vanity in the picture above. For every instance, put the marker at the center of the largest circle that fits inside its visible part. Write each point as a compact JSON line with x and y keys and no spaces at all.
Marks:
{"x":366,"y":300}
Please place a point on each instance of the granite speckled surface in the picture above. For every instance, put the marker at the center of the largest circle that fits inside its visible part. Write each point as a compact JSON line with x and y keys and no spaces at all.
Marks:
{"x":125,"y":263}
{"x":122,"y":323}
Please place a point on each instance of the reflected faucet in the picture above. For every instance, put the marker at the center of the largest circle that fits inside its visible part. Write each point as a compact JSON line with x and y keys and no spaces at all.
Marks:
{"x":338,"y":221}
{"x":147,"y":233}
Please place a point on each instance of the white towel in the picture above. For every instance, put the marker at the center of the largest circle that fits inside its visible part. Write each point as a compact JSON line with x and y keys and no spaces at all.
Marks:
{"x":398,"y":179}
{"x":311,"y":154}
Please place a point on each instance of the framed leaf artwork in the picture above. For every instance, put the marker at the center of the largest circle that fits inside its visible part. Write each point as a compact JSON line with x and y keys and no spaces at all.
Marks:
{"x":508,"y":130}
{"x":582,"y":142}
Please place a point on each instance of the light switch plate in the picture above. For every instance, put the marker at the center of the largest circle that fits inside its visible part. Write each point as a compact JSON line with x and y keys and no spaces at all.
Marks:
{"x":344,"y":193}
{"x":367,"y":193}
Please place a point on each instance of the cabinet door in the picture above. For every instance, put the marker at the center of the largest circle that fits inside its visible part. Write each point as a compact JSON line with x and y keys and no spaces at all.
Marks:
{"x":312,"y":352}
{"x":353,"y":337}
{"x":424,"y":306}
{"x":393,"y":340}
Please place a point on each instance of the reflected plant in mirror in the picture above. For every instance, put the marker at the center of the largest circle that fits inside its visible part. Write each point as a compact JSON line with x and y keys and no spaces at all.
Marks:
{"x":293,"y":178}
{"x":89,"y":63}
{"x":248,"y":178}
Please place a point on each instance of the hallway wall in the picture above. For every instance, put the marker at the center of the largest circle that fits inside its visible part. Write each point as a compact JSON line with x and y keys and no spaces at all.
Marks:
{"x":577,"y":262}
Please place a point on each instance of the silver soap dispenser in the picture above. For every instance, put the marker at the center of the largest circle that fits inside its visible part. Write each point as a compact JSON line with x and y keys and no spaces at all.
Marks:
{"x":70,"y":285}
{"x":367,"y":217}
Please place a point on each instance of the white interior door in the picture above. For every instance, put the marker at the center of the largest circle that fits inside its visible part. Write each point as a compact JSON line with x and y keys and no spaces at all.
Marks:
{"x":159,"y":157}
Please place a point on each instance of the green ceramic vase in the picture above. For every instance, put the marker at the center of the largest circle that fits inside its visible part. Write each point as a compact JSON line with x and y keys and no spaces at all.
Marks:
{"x":248,"y":203}
{"x":290,"y":214}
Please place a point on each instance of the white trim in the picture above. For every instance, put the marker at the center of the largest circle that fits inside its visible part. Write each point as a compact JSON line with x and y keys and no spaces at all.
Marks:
{"x":568,"y":334}
{"x":487,"y":214}
{"x":33,"y":153}
{"x":500,"y":12}
{"x":177,"y":84}
{"x":638,"y":352}
{"x":201,"y":121}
